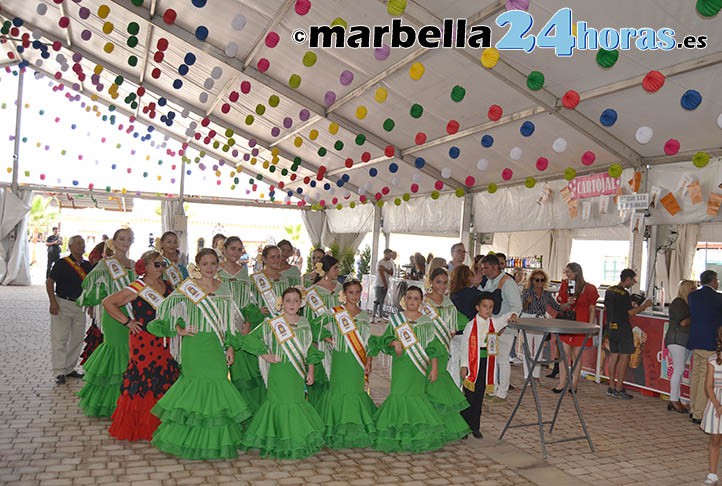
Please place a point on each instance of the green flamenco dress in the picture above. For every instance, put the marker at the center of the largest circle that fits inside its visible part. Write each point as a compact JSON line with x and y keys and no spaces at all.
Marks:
{"x":286,"y":426}
{"x":293,"y":275}
{"x":245,"y":374}
{"x":105,"y":367}
{"x":346,"y":410}
{"x":202,"y":413}
{"x":444,"y":394}
{"x":407,"y":420}
{"x":321,"y":378}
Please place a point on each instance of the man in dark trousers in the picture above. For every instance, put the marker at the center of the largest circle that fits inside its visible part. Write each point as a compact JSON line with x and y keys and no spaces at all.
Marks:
{"x":54,"y":243}
{"x":705,"y":308}
{"x":67,"y":319}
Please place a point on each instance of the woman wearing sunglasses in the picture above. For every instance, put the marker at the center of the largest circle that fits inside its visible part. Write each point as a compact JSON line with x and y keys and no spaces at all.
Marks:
{"x":535,"y":302}
{"x":151,"y":369}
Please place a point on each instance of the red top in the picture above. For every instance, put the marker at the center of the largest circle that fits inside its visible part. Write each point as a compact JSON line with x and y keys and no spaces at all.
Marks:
{"x":587,"y":298}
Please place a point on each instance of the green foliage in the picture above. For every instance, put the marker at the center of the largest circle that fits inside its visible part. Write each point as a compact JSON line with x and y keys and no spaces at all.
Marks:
{"x":364,"y":262}
{"x":42,"y":216}
{"x":345,"y":258}
{"x":293,"y":232}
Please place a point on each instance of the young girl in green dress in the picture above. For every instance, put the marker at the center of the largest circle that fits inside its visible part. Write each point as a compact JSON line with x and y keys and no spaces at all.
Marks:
{"x":286,"y":426}
{"x":407,"y":421}
{"x":201,"y":414}
{"x":346,"y":409}
{"x":444,"y":394}
{"x":290,"y":272}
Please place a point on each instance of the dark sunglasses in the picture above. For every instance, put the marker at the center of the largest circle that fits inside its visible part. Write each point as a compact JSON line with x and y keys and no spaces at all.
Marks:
{"x":540,"y":280}
{"x":160,"y":264}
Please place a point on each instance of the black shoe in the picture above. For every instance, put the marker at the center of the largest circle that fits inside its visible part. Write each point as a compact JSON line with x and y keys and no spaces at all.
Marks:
{"x":555,"y":371}
{"x":477,"y":434}
{"x":696,"y":421}
{"x":557,"y":390}
{"x":60,"y":380}
{"x":75,"y":374}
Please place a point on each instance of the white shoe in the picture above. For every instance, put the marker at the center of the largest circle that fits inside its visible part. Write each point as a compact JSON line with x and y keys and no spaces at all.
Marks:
{"x":712,"y":479}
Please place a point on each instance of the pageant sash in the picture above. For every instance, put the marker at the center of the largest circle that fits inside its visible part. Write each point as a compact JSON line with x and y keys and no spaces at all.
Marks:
{"x":407,"y":337}
{"x":288,"y":342}
{"x":440,"y":328}
{"x":77,"y":268}
{"x":349,"y":331}
{"x":117,"y":273}
{"x":314,"y":300}
{"x":173,"y":273}
{"x":474,"y":347}
{"x":265,"y":288}
{"x":150,"y":295}
{"x":207,"y":307}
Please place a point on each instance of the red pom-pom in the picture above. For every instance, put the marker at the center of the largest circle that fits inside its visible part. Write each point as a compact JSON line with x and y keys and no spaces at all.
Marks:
{"x":452,"y":127}
{"x":169,"y":16}
{"x":365,"y":156}
{"x":414,"y":188}
{"x":495,"y":112}
{"x":470,"y":181}
{"x":389,"y":151}
{"x":653,"y":81}
{"x":420,"y":138}
{"x":570,"y":100}
{"x":438,"y":185}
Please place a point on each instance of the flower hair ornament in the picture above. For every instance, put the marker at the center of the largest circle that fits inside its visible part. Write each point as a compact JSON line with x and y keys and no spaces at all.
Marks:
{"x":110,"y":245}
{"x":319,"y":269}
{"x":156,"y":245}
{"x":140,"y":268}
{"x":194,"y":271}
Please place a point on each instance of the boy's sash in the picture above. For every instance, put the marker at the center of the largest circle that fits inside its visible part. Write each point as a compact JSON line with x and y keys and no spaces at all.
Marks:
{"x":147,"y":293}
{"x":313,"y":299}
{"x":407,"y":337}
{"x":265,"y":289}
{"x":347,"y":328}
{"x":288,"y":342}
{"x":207,"y":307}
{"x":77,"y":268}
{"x":474,"y":345}
{"x":173,"y":273}
{"x":440,"y":328}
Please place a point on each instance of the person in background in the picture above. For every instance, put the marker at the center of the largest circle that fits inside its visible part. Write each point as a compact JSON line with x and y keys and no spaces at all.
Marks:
{"x":54,"y":243}
{"x":518,"y":275}
{"x":297,"y":260}
{"x":581,"y":302}
{"x":479,"y":278}
{"x":535,"y":301}
{"x":507,"y":304}
{"x":676,"y":341}
{"x":462,"y":293}
{"x":310,"y":277}
{"x":705,"y":308}
{"x":291,"y":272}
{"x":175,"y":272}
{"x":67,"y":319}
{"x":619,"y":308}
{"x":712,"y":421}
{"x":384,"y":271}
{"x":458,"y":255}
{"x":245,"y":259}
{"x":217,"y":243}
{"x":418,"y":266}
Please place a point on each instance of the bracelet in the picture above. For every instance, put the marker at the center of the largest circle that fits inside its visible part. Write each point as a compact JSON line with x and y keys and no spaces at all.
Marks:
{"x":130,"y":319}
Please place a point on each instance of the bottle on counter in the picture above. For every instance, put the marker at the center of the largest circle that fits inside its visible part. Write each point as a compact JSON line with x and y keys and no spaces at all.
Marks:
{"x":661,"y":294}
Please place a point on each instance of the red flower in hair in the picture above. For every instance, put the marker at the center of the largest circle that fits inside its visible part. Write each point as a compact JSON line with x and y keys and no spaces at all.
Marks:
{"x":140,"y":267}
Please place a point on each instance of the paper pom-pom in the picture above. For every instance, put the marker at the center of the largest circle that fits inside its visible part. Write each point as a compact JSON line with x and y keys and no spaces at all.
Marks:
{"x":691,"y":99}
{"x":516,"y":153}
{"x":709,"y":8}
{"x":608,"y":117}
{"x":489,"y":57}
{"x":526,"y":129}
{"x":414,"y":188}
{"x":530,"y":182}
{"x":445,"y":172}
{"x":607,"y":59}
{"x":671,"y":146}
{"x":361,"y":112}
{"x":700,"y":159}
{"x":381,"y":94}
{"x":487,"y":141}
{"x":469,"y":181}
{"x":272,"y":39}
{"x":454,"y":152}
{"x":382,"y":53}
{"x":507,"y":174}
{"x":495,"y":112}
{"x":459,"y":192}
{"x":438,"y":185}
{"x":719,"y":121}
{"x":389,"y":124}
{"x":294,"y":81}
{"x":653,"y":81}
{"x":542,"y":163}
{"x":535,"y":81}
{"x":588,"y":157}
{"x":419,"y":162}
{"x":644,"y":135}
{"x":239,"y":22}
{"x":559,"y":145}
{"x":570,"y":99}
{"x":452,"y":127}
{"x":615,"y":170}
{"x":517,"y":5}
{"x":420,"y":138}
{"x":263,"y":64}
{"x":416,"y":110}
{"x":492,"y":188}
{"x":396,"y":7}
{"x":302,"y":7}
{"x":346,"y":77}
{"x":339,"y":21}
{"x":329,"y":98}
{"x":458,"y":93}
{"x":434,"y":195}
{"x":309,"y":59}
{"x":569,"y":173}
{"x":482,"y":164}
{"x":416,"y":71}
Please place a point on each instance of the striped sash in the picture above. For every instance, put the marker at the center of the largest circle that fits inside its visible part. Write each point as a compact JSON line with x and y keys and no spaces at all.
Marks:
{"x":347,"y":328}
{"x":173,"y":274}
{"x":207,"y":307}
{"x":77,"y":268}
{"x":120,"y":280}
{"x":265,"y":288}
{"x":288,"y":342}
{"x":440,"y":329}
{"x":412,"y":346}
{"x":316,"y":303}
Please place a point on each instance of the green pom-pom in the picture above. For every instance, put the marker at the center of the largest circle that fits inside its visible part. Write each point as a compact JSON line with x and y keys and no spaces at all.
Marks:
{"x":416,"y":110}
{"x":535,"y":81}
{"x":700,"y":159}
{"x":406,"y":196}
{"x":607,"y":59}
{"x":492,"y":188}
{"x":389,"y":124}
{"x":530,"y":182}
{"x":435,"y":195}
{"x":459,"y":192}
{"x":360,"y":139}
{"x":569,"y":173}
{"x":615,"y":170}
{"x":458,"y":93}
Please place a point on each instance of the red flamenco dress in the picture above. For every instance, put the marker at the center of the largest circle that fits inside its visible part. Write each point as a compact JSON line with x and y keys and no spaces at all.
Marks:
{"x":151,"y":372}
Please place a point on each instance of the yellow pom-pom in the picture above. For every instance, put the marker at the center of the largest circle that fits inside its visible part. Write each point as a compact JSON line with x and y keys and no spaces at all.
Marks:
{"x":313,"y":134}
{"x":361,"y":112}
{"x":489,"y":57}
{"x":416,"y":71}
{"x":298,"y":141}
{"x":381,"y":94}
{"x":333,"y":128}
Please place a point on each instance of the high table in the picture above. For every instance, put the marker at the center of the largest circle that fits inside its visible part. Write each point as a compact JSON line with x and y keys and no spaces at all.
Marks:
{"x":547,"y":327}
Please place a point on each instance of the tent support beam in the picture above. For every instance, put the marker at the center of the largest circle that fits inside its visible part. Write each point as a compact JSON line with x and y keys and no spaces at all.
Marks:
{"x":375,"y":240}
{"x":16,"y":142}
{"x":683,"y":156}
{"x":466,"y":219}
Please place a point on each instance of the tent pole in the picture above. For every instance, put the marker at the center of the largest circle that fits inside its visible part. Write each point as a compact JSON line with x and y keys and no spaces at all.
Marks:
{"x":375,"y":240}
{"x":18,"y":118}
{"x":465,"y":228}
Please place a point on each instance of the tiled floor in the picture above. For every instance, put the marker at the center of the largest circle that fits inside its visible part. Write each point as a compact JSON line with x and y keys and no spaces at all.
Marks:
{"x":45,"y":439}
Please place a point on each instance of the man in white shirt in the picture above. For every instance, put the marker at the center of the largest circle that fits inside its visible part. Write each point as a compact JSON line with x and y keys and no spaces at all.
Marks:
{"x":384,"y":270}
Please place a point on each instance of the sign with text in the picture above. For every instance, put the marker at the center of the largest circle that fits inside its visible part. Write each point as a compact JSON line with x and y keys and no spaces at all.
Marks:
{"x":633,"y":201}
{"x":593,"y":185}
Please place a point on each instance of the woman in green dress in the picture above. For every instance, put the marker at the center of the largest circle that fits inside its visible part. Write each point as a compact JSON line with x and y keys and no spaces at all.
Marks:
{"x":201,"y":414}
{"x":407,"y":421}
{"x":175,"y":272}
{"x":286,"y":426}
{"x":321,"y":298}
{"x":269,"y":284}
{"x":444,"y":393}
{"x":346,"y":409}
{"x":105,"y":367}
{"x":245,"y":374}
{"x":290,"y":272}
{"x":309,"y":278}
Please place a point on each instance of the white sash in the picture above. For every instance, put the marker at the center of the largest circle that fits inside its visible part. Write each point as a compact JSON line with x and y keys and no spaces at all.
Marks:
{"x":349,"y":331}
{"x":120,"y":279}
{"x":175,"y":277}
{"x":440,"y":328}
{"x":207,"y":307}
{"x":288,"y":342}
{"x":150,"y":295}
{"x":407,"y":337}
{"x":314,"y":300}
{"x":265,"y":288}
